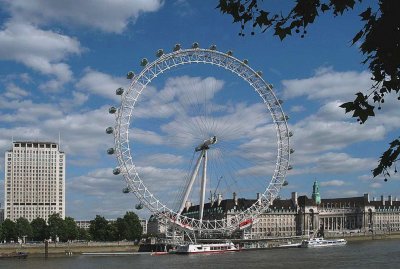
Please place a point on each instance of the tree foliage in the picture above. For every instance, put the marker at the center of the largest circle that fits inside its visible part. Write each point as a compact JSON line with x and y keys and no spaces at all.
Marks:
{"x":99,"y":229}
{"x":128,"y":228}
{"x":56,"y":227}
{"x":39,"y":229}
{"x":134,"y":229}
{"x":9,"y":231}
{"x":380,"y":45}
{"x":23,"y":228}
{"x":83,"y":234}
{"x":71,"y":229}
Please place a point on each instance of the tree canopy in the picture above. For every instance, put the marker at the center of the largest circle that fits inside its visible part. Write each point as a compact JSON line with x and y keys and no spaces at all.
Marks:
{"x":56,"y":227}
{"x":23,"y":228}
{"x":126,"y":228}
{"x":9,"y":231}
{"x":39,"y":229}
{"x":380,"y":45}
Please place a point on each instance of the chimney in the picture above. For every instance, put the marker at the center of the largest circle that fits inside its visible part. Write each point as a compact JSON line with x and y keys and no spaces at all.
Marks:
{"x":382,"y":200}
{"x":219,"y":198}
{"x":258,"y":198}
{"x":212,"y":199}
{"x":390,"y":200}
{"x":188,"y":204}
{"x":374,"y":199}
{"x":366,"y":198}
{"x":294,"y":198}
{"x":235,"y":199}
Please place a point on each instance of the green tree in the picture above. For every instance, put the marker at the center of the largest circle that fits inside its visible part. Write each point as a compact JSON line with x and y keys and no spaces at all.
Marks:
{"x":122,"y":228}
{"x":9,"y":231}
{"x":1,"y":233}
{"x":56,"y":227}
{"x":23,"y":228}
{"x":39,"y":229}
{"x":98,"y":229}
{"x":134,"y":229}
{"x":71,"y":229}
{"x":112,"y":232}
{"x":83,"y":234}
{"x":380,"y":45}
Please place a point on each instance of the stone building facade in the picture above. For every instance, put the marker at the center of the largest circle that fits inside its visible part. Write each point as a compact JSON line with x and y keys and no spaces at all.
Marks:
{"x":301,"y":215}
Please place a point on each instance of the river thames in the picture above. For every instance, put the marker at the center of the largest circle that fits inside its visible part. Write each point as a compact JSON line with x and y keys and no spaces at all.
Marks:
{"x":364,"y":254}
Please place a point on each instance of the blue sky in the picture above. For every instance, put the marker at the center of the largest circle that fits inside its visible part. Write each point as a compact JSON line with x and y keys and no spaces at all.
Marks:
{"x":60,"y":64}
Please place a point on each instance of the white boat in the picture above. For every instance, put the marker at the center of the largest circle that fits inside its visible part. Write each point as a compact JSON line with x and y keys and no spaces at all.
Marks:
{"x":289,"y":245}
{"x":206,"y":248}
{"x":321,"y":242}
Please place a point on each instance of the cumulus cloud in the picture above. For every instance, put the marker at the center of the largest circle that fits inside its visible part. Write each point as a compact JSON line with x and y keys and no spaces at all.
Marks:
{"x":333,"y":183}
{"x":296,"y":109}
{"x":327,"y":84}
{"x":26,"y":111}
{"x":162,"y":159}
{"x":376,"y":185}
{"x":100,"y":84}
{"x":330,"y":163}
{"x":40,"y":50}
{"x":15,"y":92}
{"x":77,"y":100}
{"x":180,"y":95}
{"x":106,"y":15}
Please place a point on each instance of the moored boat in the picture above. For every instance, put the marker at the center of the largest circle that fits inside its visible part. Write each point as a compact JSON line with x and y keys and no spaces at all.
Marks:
{"x":206,"y":248}
{"x":289,"y":245}
{"x":321,"y":242}
{"x":18,"y":255}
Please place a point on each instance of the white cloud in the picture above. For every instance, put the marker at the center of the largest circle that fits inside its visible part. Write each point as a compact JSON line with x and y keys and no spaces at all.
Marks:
{"x":83,"y":133}
{"x":334,"y":183}
{"x":15,"y":92}
{"x":376,"y":185}
{"x":25,"y":111}
{"x":314,"y":135}
{"x":351,"y":193}
{"x":161,"y":159}
{"x":330,"y":163}
{"x":328,"y":84}
{"x":296,"y":109}
{"x":178,"y":96}
{"x":97,"y":183}
{"x":106,"y":15}
{"x":146,"y":137}
{"x":101,"y":84}
{"x":342,"y":193}
{"x":77,"y":100}
{"x":40,"y":50}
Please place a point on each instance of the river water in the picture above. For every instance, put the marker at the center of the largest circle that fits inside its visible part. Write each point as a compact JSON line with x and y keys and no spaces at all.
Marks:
{"x":365,"y":254}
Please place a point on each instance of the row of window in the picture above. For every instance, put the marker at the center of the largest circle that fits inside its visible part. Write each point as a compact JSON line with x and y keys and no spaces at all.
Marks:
{"x":35,"y":145}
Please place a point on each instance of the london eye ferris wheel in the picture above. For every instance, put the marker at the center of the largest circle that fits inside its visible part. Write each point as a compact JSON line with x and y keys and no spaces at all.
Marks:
{"x":188,"y":133}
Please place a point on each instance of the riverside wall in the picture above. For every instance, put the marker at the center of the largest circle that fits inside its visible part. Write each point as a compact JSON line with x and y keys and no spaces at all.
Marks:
{"x":56,"y":249}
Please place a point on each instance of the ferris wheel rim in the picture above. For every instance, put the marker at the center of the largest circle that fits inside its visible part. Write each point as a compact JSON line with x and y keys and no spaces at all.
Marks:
{"x":124,"y":117}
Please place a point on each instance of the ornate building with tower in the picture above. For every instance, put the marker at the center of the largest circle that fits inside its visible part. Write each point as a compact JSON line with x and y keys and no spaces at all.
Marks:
{"x":301,"y":215}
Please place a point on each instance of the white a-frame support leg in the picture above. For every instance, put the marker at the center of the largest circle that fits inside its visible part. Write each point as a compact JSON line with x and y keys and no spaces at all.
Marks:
{"x":190,"y":185}
{"x":203,"y":186}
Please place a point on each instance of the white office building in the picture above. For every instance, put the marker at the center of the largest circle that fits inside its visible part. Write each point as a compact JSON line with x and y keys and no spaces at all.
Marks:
{"x":34,"y":181}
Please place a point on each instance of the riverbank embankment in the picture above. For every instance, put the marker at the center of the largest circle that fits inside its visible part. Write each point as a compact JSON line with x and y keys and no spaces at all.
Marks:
{"x":71,"y":248}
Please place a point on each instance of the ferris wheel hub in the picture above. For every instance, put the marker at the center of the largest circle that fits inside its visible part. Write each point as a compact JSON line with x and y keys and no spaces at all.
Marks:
{"x":206,"y":143}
